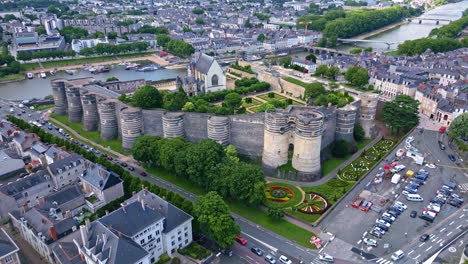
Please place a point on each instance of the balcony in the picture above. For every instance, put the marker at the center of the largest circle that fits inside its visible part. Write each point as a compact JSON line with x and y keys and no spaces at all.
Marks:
{"x":94,"y":203}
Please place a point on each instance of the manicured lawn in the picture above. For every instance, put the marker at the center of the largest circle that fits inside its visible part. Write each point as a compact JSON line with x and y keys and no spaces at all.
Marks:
{"x":30,"y":66}
{"x":255,"y":102}
{"x":43,"y":107}
{"x":12,"y":77}
{"x":60,"y":63}
{"x":281,"y":227}
{"x":114,"y":144}
{"x":266,"y":98}
{"x":295,"y":81}
{"x":296,"y":199}
{"x":330,"y":164}
{"x":306,"y":217}
{"x":172,"y":178}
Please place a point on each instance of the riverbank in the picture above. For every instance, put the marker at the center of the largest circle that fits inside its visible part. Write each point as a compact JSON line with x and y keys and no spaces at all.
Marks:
{"x":95,"y":61}
{"x":381,"y":30}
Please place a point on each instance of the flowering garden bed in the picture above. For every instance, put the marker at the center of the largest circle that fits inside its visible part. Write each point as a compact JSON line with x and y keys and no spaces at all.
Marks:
{"x":313,"y":203}
{"x":282,"y":195}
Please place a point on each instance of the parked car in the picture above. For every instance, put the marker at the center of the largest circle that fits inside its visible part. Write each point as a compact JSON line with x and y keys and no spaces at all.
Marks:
{"x":382,"y":222}
{"x":109,"y":158}
{"x":424,"y":238}
{"x":380,"y":230}
{"x":395,"y":212}
{"x":431,"y":166}
{"x":441,"y":145}
{"x":326,"y":258}
{"x":270,"y":259}
{"x":241,"y":240}
{"x":400,"y":204}
{"x":389,"y":216}
{"x":452,"y":157}
{"x":284,"y":259}
{"x":370,"y":242}
{"x":375,"y":233}
{"x":455,"y":203}
{"x":397,"y":255}
{"x":383,"y":227}
{"x":387,"y":219}
{"x":130,"y":168}
{"x":143,"y":174}
{"x":257,"y":251}
{"x":413,"y":214}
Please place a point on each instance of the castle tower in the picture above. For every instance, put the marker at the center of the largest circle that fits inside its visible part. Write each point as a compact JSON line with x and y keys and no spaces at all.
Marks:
{"x":60,"y":98}
{"x":367,"y":113}
{"x":275,"y":139}
{"x":173,"y":125}
{"x":75,"y":110}
{"x":90,"y":112}
{"x":108,"y":119}
{"x":345,"y":121}
{"x":131,"y":123}
{"x":307,"y":144}
{"x":219,"y":129}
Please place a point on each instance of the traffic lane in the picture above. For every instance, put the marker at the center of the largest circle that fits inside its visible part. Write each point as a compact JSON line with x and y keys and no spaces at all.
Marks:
{"x":273,"y":242}
{"x":454,"y":252}
{"x":245,"y":252}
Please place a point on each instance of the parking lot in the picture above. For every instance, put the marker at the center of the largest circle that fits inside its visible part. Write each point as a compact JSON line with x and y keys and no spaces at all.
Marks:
{"x":350,"y":224}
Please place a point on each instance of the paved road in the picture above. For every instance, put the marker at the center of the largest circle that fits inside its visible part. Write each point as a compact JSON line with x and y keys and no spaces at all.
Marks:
{"x":255,"y":234}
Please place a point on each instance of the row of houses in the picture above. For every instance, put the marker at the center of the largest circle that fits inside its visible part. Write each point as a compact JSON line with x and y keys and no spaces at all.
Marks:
{"x":49,"y":205}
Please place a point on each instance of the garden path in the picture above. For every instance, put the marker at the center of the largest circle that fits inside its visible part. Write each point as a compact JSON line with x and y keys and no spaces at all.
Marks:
{"x":333,"y":172}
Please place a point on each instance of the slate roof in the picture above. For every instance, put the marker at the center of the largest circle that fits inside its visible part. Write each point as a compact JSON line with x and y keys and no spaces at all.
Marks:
{"x":66,"y":251}
{"x":67,"y":161}
{"x":174,"y":216}
{"x":131,"y":218}
{"x":100,"y":178}
{"x":9,"y":164}
{"x":203,"y":63}
{"x":17,"y":188}
{"x":7,"y":246}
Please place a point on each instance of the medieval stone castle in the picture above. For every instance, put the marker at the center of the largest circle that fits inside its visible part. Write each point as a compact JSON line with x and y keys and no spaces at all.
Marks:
{"x":308,"y":128}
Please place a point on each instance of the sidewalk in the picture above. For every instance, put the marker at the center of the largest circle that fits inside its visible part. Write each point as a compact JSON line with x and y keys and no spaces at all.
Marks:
{"x":332,"y":173}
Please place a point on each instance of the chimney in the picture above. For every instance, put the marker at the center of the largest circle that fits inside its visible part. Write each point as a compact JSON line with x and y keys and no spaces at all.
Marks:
{"x":84,"y":235}
{"x":133,"y":193}
{"x":53,"y":233}
{"x":87,"y":224}
{"x":146,"y":190}
{"x":41,"y":200}
{"x":123,"y":207}
{"x":68,"y":214}
{"x":143,"y":204}
{"x":329,"y":104}
{"x":107,"y":212}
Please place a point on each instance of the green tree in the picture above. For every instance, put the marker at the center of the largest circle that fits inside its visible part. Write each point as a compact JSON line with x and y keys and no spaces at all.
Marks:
{"x":213,"y":215}
{"x":163,"y":39}
{"x":313,"y":90}
{"x":401,"y":113}
{"x":275,"y":213}
{"x":340,"y":148}
{"x":286,"y":61}
{"x":112,"y":35}
{"x":368,"y":49}
{"x":41,"y":30}
{"x":321,"y":70}
{"x":197,"y":11}
{"x":323,"y":42}
{"x":199,"y":21}
{"x":261,"y":37}
{"x":231,"y":153}
{"x":311,"y":57}
{"x":111,"y":79}
{"x":147,"y":96}
{"x":233,"y":101}
{"x":168,"y":149}
{"x":357,"y":76}
{"x":71,"y":33}
{"x":146,"y":149}
{"x":24,"y":56}
{"x":332,"y":72}
{"x":247,"y":24}
{"x":358,"y":132}
{"x":459,"y":127}
{"x":355,"y":51}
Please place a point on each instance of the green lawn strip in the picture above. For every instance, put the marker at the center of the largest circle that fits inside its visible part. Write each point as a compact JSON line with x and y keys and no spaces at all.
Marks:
{"x":280,"y":226}
{"x":298,"y":103}
{"x":392,"y":53}
{"x":172,"y":178}
{"x":294,"y":201}
{"x":330,"y":164}
{"x":266,"y":98}
{"x":310,"y":218}
{"x":43,"y":107}
{"x":363,"y":143}
{"x":30,"y":66}
{"x":12,"y":77}
{"x":295,"y":81}
{"x":255,"y":102}
{"x":94,"y":136}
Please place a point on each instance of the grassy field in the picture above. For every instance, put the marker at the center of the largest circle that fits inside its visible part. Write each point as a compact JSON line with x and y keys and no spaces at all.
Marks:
{"x":114,"y":144}
{"x":392,"y":53}
{"x":295,"y":81}
{"x":12,"y":77}
{"x":330,"y":164}
{"x":266,"y":98}
{"x":172,"y":178}
{"x":43,"y":107}
{"x":306,"y":217}
{"x":60,"y":63}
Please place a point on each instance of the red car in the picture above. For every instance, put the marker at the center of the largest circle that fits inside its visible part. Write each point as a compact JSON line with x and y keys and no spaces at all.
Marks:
{"x":109,"y":158}
{"x":241,"y":240}
{"x":143,"y":174}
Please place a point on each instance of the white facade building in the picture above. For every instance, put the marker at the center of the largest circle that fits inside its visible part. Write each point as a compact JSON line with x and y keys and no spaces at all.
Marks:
{"x":78,"y":44}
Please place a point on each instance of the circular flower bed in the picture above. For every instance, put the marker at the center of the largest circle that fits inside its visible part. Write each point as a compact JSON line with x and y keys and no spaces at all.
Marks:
{"x":313,"y":204}
{"x":279,"y":194}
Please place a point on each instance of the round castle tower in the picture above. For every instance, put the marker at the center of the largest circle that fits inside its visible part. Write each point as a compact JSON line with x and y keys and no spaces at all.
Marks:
{"x":276,"y":139}
{"x":307,"y":144}
{"x":131,"y":122}
{"x":108,"y":119}
{"x":75,"y":110}
{"x":60,"y":98}
{"x":173,"y":125}
{"x":367,"y":113}
{"x":345,"y":121}
{"x":90,"y":112}
{"x":219,"y":129}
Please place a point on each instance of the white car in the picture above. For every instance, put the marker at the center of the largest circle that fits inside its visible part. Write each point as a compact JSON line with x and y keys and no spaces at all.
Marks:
{"x":382,"y":222}
{"x":326,"y":258}
{"x":431,"y":166}
{"x":370,"y":242}
{"x":284,"y":259}
{"x":400,"y":204}
{"x":389,"y":216}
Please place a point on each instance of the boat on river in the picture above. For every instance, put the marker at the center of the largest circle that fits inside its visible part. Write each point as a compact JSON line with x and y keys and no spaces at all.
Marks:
{"x":29,"y":75}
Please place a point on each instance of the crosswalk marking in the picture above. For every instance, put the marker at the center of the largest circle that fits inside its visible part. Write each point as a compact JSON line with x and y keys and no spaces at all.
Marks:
{"x":384,"y":261}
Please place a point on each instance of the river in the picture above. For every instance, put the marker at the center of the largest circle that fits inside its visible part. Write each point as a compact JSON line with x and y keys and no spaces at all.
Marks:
{"x":39,"y":88}
{"x":414,"y":30}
